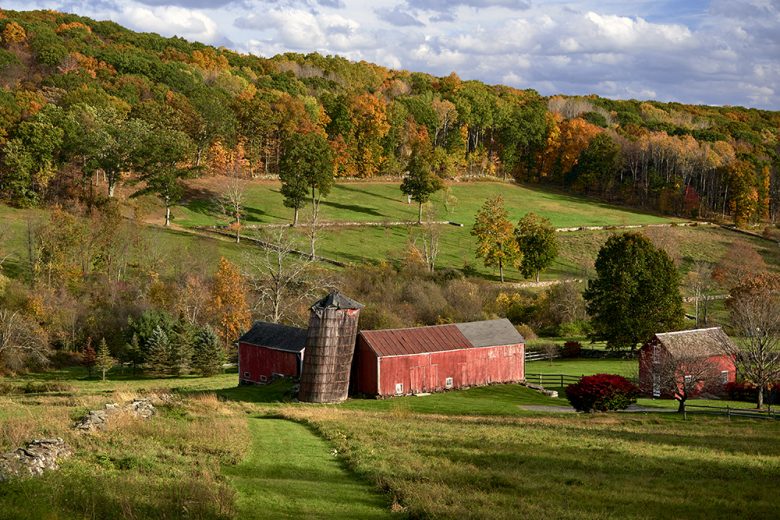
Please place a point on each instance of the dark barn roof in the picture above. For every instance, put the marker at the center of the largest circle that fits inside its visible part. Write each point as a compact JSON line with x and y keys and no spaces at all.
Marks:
{"x":440,"y":338}
{"x":273,"y":335}
{"x":337,"y":300}
{"x":696,"y":343}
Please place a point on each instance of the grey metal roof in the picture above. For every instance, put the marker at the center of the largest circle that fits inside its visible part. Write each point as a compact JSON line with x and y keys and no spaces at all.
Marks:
{"x":339,"y":301}
{"x":490,"y":333}
{"x":696,"y":343}
{"x":273,"y":335}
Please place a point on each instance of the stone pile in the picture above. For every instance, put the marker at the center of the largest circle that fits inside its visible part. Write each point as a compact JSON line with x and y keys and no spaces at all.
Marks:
{"x":33,"y":459}
{"x":98,"y":419}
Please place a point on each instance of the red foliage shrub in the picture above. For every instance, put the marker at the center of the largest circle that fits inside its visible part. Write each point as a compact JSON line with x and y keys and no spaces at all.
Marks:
{"x":601,"y":393}
{"x":746,"y":391}
{"x":571,"y":349}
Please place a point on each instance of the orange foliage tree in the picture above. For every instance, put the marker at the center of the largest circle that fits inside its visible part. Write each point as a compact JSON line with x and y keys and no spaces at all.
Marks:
{"x":228,"y":302}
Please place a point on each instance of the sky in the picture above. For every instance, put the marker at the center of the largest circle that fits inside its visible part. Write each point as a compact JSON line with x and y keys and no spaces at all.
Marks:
{"x":718,"y":52}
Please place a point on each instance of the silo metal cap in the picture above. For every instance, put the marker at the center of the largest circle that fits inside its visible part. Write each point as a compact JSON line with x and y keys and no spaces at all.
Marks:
{"x":336,"y":300}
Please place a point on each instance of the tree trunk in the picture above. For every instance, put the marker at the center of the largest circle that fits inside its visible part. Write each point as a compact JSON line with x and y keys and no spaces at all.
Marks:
{"x":501,"y":270}
{"x":419,"y":214}
{"x":295,"y":218}
{"x":760,"y":400}
{"x":167,"y":214}
{"x":681,"y":406}
{"x":111,"y":187}
{"x":537,"y":276}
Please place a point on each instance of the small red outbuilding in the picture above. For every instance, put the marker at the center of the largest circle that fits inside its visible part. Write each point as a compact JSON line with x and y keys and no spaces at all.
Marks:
{"x":692,"y":359}
{"x":270,"y":350}
{"x":429,"y":359}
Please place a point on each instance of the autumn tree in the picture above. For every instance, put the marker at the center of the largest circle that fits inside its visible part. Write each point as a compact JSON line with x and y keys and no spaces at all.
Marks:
{"x":635,"y":293}
{"x":684,"y":376}
{"x":496,"y":243}
{"x":23,"y":343}
{"x":103,"y":360}
{"x":420,"y":182}
{"x":232,"y":202}
{"x":740,"y":260}
{"x":89,"y":357}
{"x":754,"y":309}
{"x":228,"y":303}
{"x":537,"y":242}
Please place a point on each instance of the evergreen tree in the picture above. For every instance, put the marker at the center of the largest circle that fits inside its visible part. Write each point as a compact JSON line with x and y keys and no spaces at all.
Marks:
{"x":635,"y":294}
{"x":103,"y":360}
{"x":537,"y":241}
{"x":181,"y":348}
{"x":89,"y":357}
{"x":159,"y":355}
{"x":209,"y":356}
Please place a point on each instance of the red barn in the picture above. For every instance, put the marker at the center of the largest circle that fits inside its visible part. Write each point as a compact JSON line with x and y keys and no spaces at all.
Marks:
{"x":692,"y":359}
{"x":430,"y":359}
{"x":268,"y":350}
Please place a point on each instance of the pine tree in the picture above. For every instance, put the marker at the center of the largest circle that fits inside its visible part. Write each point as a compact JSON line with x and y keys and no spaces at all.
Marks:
{"x":209,"y":355}
{"x":89,"y":357}
{"x":103,"y":360}
{"x":159,"y":355}
{"x":537,"y":241}
{"x":181,"y":348}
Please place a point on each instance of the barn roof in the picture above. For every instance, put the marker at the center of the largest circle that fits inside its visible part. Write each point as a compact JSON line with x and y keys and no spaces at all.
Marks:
{"x":696,"y":343}
{"x":439,"y":338}
{"x":273,"y":335}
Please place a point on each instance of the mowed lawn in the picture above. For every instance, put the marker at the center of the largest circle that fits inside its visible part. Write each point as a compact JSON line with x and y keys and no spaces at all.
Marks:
{"x":290,"y":472}
{"x":561,"y":466}
{"x":384,"y":202}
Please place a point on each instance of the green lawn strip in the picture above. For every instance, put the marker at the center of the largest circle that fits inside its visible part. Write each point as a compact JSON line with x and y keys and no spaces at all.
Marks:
{"x":291,"y":473}
{"x":575,"y":466}
{"x":583,"y":367}
{"x":383,"y":202}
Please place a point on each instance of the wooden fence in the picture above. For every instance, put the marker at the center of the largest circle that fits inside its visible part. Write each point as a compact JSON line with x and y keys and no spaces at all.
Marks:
{"x":728,"y":411}
{"x":552,"y":380}
{"x":540,"y":355}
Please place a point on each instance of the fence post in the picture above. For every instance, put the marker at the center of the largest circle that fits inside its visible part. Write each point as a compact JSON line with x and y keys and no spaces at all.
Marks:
{"x":561,"y":380}
{"x":728,"y":412}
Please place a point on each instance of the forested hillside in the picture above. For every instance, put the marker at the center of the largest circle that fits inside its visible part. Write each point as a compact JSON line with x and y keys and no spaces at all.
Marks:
{"x":83,"y":100}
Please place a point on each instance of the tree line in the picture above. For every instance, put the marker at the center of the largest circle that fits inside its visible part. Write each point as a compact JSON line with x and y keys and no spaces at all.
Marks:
{"x":83,"y":101}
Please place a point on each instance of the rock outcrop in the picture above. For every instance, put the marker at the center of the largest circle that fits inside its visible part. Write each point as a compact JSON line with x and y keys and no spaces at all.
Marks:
{"x":98,"y":419}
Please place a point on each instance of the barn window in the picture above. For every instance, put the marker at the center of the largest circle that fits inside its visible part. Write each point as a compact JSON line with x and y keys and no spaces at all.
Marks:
{"x":656,"y":358}
{"x":688,"y":379}
{"x":263,"y":379}
{"x":246,"y":375}
{"x":448,"y":382}
{"x":724,"y":377}
{"x":399,"y":389}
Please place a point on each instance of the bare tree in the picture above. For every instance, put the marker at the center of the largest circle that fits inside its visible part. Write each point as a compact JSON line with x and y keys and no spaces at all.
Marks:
{"x":428,"y":234}
{"x":313,"y":226}
{"x":700,"y":284}
{"x":754,"y":308}
{"x":22,"y":341}
{"x":232,"y":201}
{"x":685,"y":377}
{"x":280,"y":277}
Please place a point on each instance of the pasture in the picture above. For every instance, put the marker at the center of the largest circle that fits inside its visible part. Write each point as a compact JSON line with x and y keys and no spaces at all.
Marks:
{"x":220,"y":451}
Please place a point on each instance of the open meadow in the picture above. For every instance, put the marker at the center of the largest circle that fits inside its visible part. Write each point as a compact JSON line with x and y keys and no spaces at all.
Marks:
{"x":215,"y":450}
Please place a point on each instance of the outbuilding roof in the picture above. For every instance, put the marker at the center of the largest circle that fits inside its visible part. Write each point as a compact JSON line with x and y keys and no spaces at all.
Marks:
{"x":440,"y":338}
{"x":276,"y":336}
{"x":696,"y":343}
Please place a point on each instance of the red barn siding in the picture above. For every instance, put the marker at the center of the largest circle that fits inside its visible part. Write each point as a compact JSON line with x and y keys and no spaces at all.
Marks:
{"x":721,"y":363}
{"x":258,"y":364}
{"x":428,"y":372}
{"x":364,"y":375}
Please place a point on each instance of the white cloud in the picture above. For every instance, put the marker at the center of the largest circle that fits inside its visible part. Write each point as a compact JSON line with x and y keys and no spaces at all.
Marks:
{"x":187,"y":23}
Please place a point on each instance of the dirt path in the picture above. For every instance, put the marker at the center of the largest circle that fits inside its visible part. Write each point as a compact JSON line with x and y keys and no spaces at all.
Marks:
{"x":291,"y":473}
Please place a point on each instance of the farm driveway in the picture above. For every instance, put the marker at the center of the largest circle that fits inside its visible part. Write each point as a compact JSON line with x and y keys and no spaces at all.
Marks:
{"x":291,"y":473}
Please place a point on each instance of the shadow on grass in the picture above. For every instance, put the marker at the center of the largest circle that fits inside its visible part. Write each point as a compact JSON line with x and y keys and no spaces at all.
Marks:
{"x":353,"y":207}
{"x":365,"y":192}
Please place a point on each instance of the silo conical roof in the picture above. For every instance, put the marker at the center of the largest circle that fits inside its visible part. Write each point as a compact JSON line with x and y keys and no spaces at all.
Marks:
{"x":337,"y":300}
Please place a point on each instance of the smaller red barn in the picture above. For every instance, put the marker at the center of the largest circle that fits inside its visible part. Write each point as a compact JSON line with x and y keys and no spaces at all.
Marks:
{"x":270,"y":350}
{"x":693,"y":360}
{"x":429,"y":359}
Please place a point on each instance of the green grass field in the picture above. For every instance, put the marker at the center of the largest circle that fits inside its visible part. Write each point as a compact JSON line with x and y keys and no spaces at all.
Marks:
{"x":220,"y":451}
{"x":384,"y":202}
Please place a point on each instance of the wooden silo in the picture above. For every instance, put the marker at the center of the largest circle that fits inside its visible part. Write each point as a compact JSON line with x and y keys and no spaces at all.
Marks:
{"x":330,"y":345}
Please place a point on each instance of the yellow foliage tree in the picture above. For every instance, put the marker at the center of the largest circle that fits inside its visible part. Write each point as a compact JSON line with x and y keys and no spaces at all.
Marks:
{"x":228,"y":302}
{"x":14,"y":33}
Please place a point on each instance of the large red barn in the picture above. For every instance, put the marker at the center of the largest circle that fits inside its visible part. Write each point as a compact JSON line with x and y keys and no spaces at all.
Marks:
{"x":270,"y":350}
{"x":696,"y":358}
{"x":429,"y":359}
